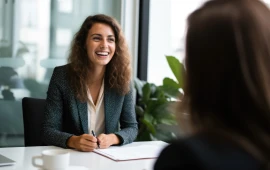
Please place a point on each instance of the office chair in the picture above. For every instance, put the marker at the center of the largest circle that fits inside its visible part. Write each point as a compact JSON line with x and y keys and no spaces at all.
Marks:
{"x":33,"y":114}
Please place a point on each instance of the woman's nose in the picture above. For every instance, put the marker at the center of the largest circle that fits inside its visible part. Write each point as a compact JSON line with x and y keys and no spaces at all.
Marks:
{"x":103,"y":45}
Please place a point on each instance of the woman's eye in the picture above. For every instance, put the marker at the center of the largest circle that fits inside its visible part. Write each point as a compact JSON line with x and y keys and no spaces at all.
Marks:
{"x":96,"y":38}
{"x":111,"y":40}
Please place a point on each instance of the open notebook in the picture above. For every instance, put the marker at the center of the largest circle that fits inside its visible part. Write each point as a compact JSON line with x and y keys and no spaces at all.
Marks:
{"x":4,"y":161}
{"x":133,"y":151}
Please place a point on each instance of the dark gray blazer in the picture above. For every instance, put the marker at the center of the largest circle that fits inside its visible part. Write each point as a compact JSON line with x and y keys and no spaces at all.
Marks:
{"x":65,"y":115}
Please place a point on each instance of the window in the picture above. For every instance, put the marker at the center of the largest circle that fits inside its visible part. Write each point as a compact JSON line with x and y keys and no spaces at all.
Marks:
{"x":167,"y":29}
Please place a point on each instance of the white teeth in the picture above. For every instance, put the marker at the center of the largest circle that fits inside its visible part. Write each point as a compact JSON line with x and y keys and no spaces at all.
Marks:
{"x":102,"y":53}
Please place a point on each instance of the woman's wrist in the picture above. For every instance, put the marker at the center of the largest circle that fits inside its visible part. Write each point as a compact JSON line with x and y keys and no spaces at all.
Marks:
{"x":114,"y":139}
{"x":70,"y":142}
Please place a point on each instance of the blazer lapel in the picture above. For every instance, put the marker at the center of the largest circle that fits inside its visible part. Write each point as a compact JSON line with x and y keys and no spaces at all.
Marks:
{"x":83,"y":116}
{"x":108,"y":107}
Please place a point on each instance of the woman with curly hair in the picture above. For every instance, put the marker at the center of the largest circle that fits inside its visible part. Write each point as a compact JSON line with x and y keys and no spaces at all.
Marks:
{"x":92,"y":93}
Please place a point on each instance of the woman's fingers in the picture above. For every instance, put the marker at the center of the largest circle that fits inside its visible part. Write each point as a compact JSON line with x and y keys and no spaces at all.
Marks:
{"x":104,"y":141}
{"x":89,"y":137}
{"x":87,"y":142}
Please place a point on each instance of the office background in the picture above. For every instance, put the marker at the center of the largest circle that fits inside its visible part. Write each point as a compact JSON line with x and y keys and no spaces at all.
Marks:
{"x":35,"y":36}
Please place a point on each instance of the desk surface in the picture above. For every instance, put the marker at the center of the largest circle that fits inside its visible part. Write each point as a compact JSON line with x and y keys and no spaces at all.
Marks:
{"x":23,"y":157}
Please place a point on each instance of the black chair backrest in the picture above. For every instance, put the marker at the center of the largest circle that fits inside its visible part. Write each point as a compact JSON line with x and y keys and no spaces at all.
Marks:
{"x":33,"y":115}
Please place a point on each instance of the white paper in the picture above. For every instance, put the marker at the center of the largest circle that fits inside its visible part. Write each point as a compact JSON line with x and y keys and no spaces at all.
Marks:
{"x":135,"y":150}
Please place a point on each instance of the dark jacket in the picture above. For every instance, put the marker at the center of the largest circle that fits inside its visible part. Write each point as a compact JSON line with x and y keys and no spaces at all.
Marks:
{"x":202,"y":153}
{"x":65,"y":115}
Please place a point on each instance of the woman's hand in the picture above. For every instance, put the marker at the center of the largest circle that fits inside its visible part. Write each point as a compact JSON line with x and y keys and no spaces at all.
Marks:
{"x":106,"y":141}
{"x":85,"y":142}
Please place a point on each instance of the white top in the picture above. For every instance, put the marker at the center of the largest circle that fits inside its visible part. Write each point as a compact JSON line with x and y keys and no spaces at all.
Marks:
{"x":89,"y":160}
{"x":96,"y":112}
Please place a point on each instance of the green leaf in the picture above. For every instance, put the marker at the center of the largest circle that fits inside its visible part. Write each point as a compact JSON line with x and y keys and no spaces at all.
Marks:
{"x":139,"y":110}
{"x":167,"y":108}
{"x":172,"y":92}
{"x":168,"y":121}
{"x":149,"y":126}
{"x":139,"y":85}
{"x":164,"y":135}
{"x":148,"y":117}
{"x":160,"y":95}
{"x":160,"y":110}
{"x":170,"y":83}
{"x":144,"y":136}
{"x":153,"y":89}
{"x":146,"y":92}
{"x":153,"y":104}
{"x":177,"y":69}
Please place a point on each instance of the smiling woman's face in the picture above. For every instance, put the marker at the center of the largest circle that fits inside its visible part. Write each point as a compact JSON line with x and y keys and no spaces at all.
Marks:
{"x":100,"y":44}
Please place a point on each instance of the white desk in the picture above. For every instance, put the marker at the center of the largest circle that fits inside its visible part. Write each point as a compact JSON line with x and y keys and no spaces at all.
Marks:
{"x":23,"y":157}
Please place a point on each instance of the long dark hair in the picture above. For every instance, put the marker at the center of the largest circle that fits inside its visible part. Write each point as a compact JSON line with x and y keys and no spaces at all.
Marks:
{"x":227,"y":84}
{"x":118,"y":71}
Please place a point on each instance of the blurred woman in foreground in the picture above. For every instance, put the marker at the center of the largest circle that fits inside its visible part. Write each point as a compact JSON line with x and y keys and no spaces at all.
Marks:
{"x":227,"y":90}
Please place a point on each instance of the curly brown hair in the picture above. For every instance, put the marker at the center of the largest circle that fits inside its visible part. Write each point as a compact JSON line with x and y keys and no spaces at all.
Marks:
{"x":118,"y":71}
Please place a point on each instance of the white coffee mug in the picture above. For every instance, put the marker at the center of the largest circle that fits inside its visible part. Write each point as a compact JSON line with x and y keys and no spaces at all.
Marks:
{"x":55,"y":159}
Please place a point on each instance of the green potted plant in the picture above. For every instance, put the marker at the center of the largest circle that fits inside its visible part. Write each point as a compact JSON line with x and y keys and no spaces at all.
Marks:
{"x":153,"y":104}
